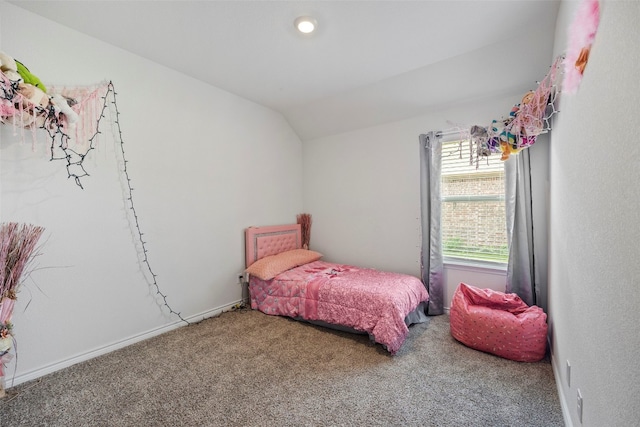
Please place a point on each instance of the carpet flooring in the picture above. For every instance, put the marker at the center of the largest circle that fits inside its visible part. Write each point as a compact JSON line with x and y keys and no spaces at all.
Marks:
{"x":244,"y":368}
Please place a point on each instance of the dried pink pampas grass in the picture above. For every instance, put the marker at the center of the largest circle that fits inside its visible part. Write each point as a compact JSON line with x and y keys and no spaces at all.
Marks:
{"x":17,"y":246}
{"x":304,"y":219}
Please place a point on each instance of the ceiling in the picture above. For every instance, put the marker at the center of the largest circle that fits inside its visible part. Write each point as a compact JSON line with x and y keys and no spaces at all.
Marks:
{"x":369,"y":62}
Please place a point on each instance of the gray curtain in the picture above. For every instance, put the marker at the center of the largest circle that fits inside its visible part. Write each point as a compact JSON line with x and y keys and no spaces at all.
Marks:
{"x":431,"y":266}
{"x":521,"y":270}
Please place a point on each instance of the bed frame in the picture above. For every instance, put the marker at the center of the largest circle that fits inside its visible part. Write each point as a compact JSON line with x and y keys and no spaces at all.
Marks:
{"x":271,"y":240}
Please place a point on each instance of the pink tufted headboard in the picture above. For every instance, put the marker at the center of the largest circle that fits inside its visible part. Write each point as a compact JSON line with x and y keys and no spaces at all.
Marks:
{"x":271,"y":240}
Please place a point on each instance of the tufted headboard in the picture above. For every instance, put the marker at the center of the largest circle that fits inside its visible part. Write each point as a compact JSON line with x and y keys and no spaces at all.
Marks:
{"x":271,"y":240}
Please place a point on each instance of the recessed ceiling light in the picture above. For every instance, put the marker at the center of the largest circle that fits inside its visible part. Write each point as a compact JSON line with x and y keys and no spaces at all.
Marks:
{"x":305,"y":24}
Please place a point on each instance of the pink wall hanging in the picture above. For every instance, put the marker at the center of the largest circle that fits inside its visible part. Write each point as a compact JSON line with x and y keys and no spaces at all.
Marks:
{"x":582,"y":34}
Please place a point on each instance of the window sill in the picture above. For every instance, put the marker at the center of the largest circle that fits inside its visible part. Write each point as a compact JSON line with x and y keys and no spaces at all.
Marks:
{"x":469,"y":265}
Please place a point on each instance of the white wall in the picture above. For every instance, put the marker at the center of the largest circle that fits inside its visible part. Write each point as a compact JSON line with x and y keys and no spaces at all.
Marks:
{"x":204,"y":163}
{"x":481,"y":277}
{"x":362,"y":189}
{"x":594,"y":231}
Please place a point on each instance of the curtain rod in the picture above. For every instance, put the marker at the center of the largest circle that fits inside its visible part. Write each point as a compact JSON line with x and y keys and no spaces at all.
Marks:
{"x":442,"y":133}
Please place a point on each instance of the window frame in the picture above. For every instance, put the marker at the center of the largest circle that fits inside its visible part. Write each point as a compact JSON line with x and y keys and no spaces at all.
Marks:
{"x":463,"y":262}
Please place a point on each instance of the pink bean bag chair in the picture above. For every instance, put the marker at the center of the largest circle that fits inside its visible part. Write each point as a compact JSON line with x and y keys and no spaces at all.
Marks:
{"x":498,"y":323}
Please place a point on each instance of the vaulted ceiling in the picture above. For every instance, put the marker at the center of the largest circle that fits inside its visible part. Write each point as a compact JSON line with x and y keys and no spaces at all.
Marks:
{"x":369,"y":62}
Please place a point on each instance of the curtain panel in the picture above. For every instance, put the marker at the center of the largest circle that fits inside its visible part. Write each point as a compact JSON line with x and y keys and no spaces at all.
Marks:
{"x":431,"y":262}
{"x":521,"y":277}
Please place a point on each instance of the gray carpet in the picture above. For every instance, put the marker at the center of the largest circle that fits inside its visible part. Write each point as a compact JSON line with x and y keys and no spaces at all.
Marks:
{"x":245,"y":368}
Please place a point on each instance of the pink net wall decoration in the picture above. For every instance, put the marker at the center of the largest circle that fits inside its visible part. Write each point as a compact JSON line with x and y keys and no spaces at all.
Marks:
{"x":69,"y":116}
{"x":525,"y":122}
{"x":85,"y":104}
{"x":530,"y":120}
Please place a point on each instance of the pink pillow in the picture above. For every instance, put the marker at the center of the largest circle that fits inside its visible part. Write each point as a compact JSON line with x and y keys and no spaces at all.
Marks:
{"x":269,"y":267}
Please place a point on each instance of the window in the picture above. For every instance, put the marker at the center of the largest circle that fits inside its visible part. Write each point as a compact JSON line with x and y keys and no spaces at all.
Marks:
{"x":473,"y":207}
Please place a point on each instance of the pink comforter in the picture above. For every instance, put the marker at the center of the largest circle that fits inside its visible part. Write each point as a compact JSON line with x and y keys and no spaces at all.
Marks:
{"x":368,"y":300}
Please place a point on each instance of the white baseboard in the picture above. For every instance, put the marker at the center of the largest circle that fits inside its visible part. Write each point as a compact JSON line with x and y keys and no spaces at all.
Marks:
{"x":37,"y":373}
{"x":566,"y":414}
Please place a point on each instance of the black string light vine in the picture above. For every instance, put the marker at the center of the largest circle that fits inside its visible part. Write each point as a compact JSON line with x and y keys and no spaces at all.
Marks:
{"x":74,"y":159}
{"x":140,"y":234}
{"x":60,"y":150}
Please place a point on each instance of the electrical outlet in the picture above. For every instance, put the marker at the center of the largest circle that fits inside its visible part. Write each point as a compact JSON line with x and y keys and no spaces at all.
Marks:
{"x":240,"y":277}
{"x":580,"y":406}
{"x":568,"y":374}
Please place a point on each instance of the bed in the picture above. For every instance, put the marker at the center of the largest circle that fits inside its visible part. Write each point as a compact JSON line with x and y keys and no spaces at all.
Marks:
{"x":286,"y":280}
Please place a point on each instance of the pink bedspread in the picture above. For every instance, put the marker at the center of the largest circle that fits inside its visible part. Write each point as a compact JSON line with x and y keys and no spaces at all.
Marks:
{"x":368,"y":300}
